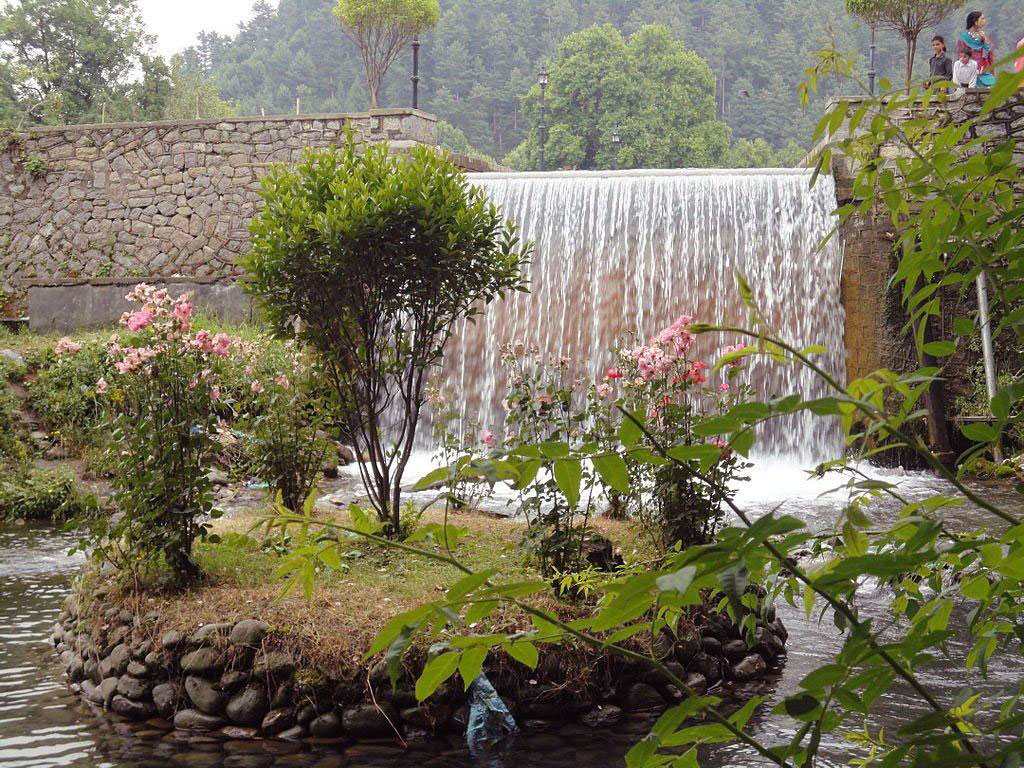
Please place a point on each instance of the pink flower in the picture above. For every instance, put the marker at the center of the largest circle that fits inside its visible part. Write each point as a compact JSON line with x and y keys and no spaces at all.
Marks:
{"x":215,"y":393}
{"x":724,"y":387}
{"x":101,"y":387}
{"x":653,"y":362}
{"x":203,"y":342}
{"x":677,"y":336}
{"x":604,"y":391}
{"x":67,"y":347}
{"x":696,"y":373}
{"x":221,"y":345}
{"x":613,"y":374}
{"x":256,"y":387}
{"x":183,"y":311}
{"x":282,"y":381}
{"x":139,"y":320}
{"x":488,"y":438}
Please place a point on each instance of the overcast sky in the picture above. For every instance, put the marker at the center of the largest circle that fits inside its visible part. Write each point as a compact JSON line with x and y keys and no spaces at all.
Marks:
{"x":177,"y":22}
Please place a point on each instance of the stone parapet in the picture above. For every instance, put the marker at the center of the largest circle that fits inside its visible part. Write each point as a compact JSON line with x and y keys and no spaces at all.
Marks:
{"x":161,"y":198}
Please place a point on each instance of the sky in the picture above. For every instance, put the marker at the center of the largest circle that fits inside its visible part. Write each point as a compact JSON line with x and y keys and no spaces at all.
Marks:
{"x":177,"y":22}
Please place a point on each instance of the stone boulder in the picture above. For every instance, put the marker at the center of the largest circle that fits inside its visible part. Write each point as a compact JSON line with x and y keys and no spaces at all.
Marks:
{"x":248,"y":707}
{"x":204,"y":696}
{"x":365,"y":721}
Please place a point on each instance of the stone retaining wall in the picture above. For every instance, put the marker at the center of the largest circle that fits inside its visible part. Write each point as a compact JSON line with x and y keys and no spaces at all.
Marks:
{"x":172,"y":199}
{"x":236,"y":680}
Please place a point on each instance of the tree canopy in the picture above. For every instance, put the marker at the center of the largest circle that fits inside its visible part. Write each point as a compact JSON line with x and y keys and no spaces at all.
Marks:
{"x":380,"y":30}
{"x":614,"y":103}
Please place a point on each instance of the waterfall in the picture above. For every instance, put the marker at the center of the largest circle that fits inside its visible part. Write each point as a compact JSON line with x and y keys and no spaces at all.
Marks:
{"x":628,"y":251}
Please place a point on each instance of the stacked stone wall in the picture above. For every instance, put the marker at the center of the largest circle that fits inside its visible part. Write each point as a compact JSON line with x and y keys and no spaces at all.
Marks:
{"x":147,"y":200}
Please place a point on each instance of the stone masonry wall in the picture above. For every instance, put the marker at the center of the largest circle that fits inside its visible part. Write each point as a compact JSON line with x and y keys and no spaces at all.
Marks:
{"x":874,"y":320}
{"x":155,"y":199}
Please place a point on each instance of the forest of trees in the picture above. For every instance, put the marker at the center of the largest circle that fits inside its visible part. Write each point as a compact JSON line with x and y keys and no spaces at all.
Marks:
{"x":480,"y":64}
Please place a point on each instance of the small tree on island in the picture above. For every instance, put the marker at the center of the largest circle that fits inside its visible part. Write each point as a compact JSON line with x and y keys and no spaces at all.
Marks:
{"x":381,"y":29}
{"x":908,"y":18}
{"x":379,"y":256}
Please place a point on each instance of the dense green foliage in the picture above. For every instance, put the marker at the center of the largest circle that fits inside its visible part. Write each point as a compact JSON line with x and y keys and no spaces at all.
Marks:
{"x":48,"y":495}
{"x":643,"y":103}
{"x":378,"y":256}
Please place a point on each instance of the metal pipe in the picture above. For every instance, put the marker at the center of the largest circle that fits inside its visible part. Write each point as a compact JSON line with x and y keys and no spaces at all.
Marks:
{"x":991,"y":384}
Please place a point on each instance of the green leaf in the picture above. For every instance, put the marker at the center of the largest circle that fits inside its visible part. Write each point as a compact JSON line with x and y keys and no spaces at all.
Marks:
{"x":613,"y":471}
{"x":679,"y":581}
{"x":977,"y":588}
{"x":939,"y":348}
{"x":431,"y":479}
{"x":435,"y":673}
{"x":979,"y":432}
{"x":630,"y":432}
{"x":471,"y":664}
{"x":524,"y":652}
{"x":568,"y":475}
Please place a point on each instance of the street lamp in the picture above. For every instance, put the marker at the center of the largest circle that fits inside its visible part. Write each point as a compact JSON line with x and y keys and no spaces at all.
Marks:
{"x":616,"y":144}
{"x":542,"y":80}
{"x":416,"y":73}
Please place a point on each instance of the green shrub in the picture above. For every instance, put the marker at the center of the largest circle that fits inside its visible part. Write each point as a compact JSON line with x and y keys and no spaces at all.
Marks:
{"x":13,"y":450}
{"x":44,"y":495}
{"x":379,"y":256}
{"x":63,"y":393}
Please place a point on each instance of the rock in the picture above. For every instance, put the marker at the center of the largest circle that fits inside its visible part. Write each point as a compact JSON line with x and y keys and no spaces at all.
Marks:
{"x":116,"y":663}
{"x":193,"y":720}
{"x":91,"y":692}
{"x":172,"y":639}
{"x":550,"y":702}
{"x":217,"y":477}
{"x":751,"y":667}
{"x":768,"y":645}
{"x":275,"y":665}
{"x":205,"y":661}
{"x":137,"y":669}
{"x":283,"y":696}
{"x":153,"y":660}
{"x":712,"y":646}
{"x":330,"y":469}
{"x":708,"y":666}
{"x":249,"y":707}
{"x":326,"y":726}
{"x":107,"y":690}
{"x":643,"y":697}
{"x":780,"y":630}
{"x":697,"y":683}
{"x":686,"y":648}
{"x":365,"y":721}
{"x":602,"y":716}
{"x":238,"y":733}
{"x":133,"y":710}
{"x":346,"y":455}
{"x":76,"y":670}
{"x":209,"y":633}
{"x":249,"y":632}
{"x":12,"y":357}
{"x":204,"y":696}
{"x":56,"y":452}
{"x":735,"y":650}
{"x":305,"y":714}
{"x":231,"y":682}
{"x":277,"y":720}
{"x":294,"y":733}
{"x":600,"y":553}
{"x":133,"y":688}
{"x":165,"y":698}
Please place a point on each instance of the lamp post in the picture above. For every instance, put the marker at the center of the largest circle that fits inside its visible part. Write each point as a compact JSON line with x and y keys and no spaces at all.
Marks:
{"x":416,"y":73}
{"x":872,"y":74}
{"x":542,"y":80}
{"x":616,"y":144}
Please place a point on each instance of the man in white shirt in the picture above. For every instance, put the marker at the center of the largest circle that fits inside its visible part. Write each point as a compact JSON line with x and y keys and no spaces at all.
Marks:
{"x":965,"y":72}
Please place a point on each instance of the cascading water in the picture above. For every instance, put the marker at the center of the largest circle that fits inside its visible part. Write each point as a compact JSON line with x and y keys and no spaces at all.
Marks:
{"x":629,"y":251}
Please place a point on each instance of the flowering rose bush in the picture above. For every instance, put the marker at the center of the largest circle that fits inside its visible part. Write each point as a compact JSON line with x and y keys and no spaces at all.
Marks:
{"x":285,"y":417}
{"x":553,"y":411}
{"x":63,"y":392}
{"x":161,"y":398}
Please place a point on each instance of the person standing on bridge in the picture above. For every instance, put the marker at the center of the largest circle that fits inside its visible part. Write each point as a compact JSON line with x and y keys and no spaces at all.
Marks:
{"x":941,"y":65}
{"x":974,"y":42}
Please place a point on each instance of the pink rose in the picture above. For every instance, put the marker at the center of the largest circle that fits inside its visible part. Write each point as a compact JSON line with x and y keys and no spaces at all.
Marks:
{"x":101,"y":387}
{"x":283,"y":382}
{"x":139,"y":320}
{"x":256,"y":387}
{"x":183,"y":312}
{"x":215,"y":393}
{"x":67,"y":347}
{"x":488,"y":438}
{"x":221,"y":345}
{"x":613,"y":374}
{"x":604,"y":391}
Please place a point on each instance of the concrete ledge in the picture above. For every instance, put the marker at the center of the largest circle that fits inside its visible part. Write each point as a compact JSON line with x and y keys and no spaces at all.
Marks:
{"x":65,"y":306}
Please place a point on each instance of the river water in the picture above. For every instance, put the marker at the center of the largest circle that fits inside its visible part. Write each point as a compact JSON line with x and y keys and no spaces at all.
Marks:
{"x":42,"y":724}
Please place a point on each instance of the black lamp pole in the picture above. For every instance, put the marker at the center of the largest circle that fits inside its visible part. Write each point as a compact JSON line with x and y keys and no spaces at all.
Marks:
{"x":416,"y":73}
{"x":616,"y":143}
{"x":542,"y":79}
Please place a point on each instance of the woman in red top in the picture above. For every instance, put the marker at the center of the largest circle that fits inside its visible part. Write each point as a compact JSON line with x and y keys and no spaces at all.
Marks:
{"x":975,"y":43}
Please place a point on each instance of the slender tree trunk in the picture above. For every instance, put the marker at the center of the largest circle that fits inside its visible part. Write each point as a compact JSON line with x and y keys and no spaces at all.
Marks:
{"x":911,"y":55}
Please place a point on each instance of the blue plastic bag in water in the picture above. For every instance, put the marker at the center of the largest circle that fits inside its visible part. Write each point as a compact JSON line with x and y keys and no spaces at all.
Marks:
{"x":490,"y":722}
